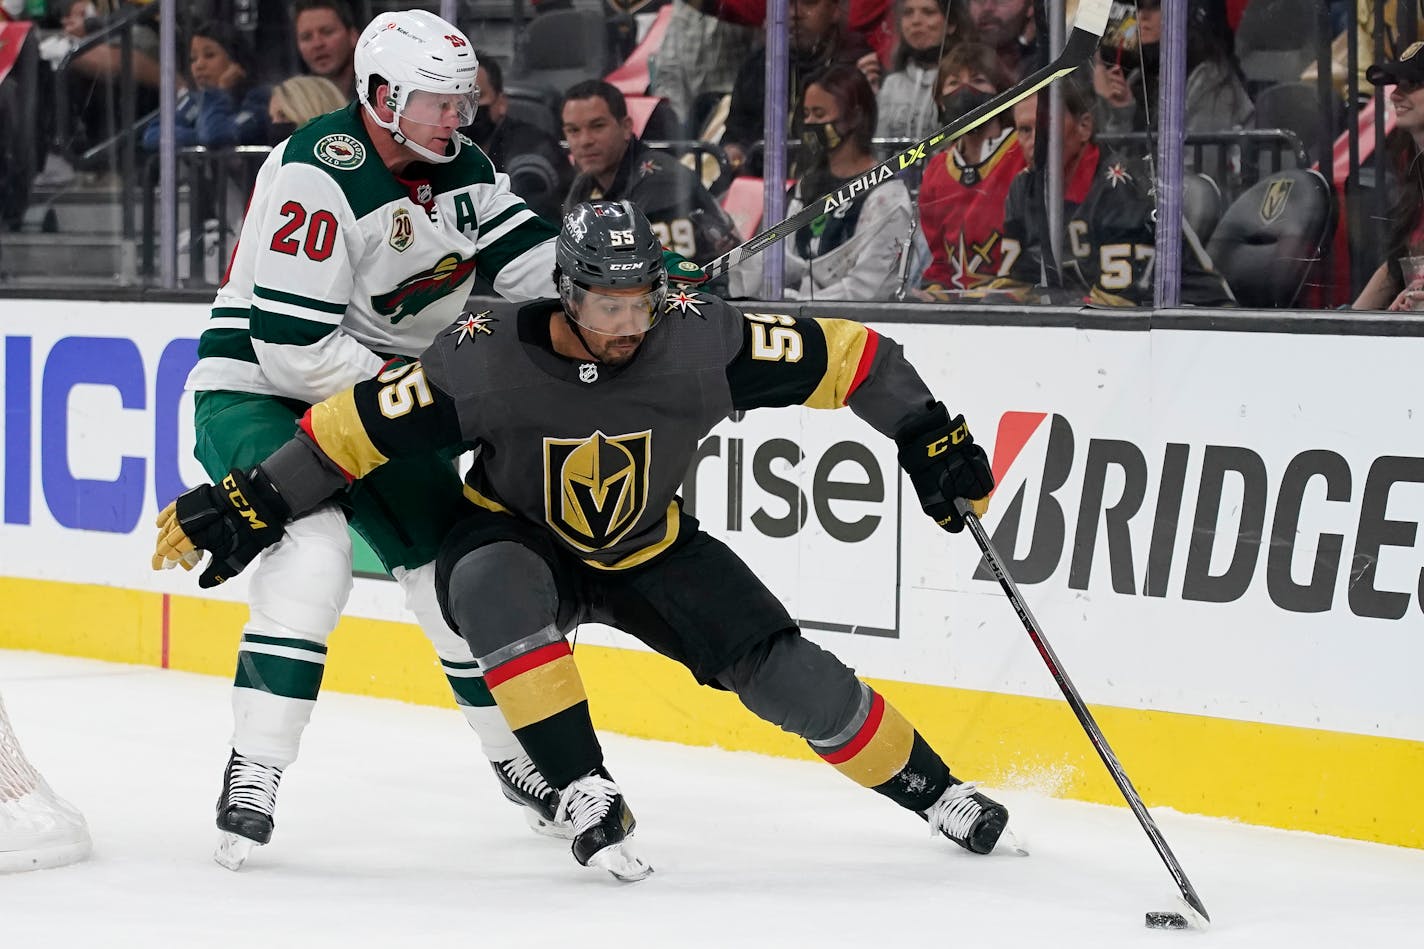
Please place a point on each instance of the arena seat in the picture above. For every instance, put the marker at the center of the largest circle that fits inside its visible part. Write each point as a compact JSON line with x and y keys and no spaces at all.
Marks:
{"x":744,"y":202}
{"x":563,"y":47}
{"x":1271,"y":236}
{"x":1201,"y":204}
{"x":634,"y":75}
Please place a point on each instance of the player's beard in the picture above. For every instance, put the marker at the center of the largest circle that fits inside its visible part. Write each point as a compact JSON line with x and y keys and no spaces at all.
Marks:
{"x":616,"y":350}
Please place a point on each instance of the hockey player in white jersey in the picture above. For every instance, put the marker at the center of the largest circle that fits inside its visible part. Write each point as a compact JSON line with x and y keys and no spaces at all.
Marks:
{"x":364,"y":234}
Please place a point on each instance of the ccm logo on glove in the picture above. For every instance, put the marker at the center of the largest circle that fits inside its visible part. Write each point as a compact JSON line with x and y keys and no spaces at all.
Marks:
{"x":941,"y":445}
{"x":240,"y":503}
{"x":944,"y":463}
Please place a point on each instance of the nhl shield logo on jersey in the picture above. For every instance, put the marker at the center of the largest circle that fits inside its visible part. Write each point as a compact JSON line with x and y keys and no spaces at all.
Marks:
{"x":595,"y":488}
{"x":340,"y":151}
{"x":414,"y":294}
{"x":402,"y":231}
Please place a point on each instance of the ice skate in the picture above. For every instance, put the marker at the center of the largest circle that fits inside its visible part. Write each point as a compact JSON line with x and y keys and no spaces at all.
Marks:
{"x":524,"y":785}
{"x":249,"y":796}
{"x":601,"y":824}
{"x":970,"y":819}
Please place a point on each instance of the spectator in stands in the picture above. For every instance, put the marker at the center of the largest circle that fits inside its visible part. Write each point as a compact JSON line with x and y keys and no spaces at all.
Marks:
{"x":1109,"y":239}
{"x":1390,"y":287}
{"x":97,"y":105}
{"x":965,"y":186}
{"x":907,"y":100}
{"x":298,"y":100}
{"x":817,"y":40}
{"x":223,"y":107}
{"x":537,"y":165}
{"x":1007,"y":27}
{"x":614,"y":165}
{"x":852,"y":252}
{"x":23,"y":127}
{"x":326,"y":39}
{"x":1216,"y":99}
{"x":697,"y":61}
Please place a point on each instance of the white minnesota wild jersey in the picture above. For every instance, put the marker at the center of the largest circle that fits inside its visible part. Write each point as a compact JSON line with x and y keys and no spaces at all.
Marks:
{"x":340,"y":263}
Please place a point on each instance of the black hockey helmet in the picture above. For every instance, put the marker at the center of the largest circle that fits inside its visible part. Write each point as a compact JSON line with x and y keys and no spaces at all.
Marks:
{"x":609,"y":245}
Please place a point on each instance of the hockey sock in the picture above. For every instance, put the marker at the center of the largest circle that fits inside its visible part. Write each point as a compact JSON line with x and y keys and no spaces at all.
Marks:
{"x":542,"y":697}
{"x":886,"y":754}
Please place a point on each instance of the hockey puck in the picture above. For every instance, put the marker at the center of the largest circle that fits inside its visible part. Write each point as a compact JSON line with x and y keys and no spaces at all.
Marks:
{"x":1166,"y":921}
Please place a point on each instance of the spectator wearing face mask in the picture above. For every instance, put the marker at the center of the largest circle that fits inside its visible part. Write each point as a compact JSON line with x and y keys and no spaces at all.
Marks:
{"x":850,"y":253}
{"x":907,"y":99}
{"x":298,"y":100}
{"x":538,"y":167}
{"x":965,"y":186}
{"x":222,"y":107}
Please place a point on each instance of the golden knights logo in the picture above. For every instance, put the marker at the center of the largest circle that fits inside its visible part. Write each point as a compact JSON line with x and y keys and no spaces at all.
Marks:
{"x":414,"y":294}
{"x":1273,"y":205}
{"x":596,"y":488}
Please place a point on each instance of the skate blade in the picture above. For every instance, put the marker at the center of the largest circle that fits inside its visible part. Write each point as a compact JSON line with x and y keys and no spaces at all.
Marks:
{"x":1011,"y":844}
{"x":622,"y":863}
{"x":233,"y":851}
{"x":547,"y":828}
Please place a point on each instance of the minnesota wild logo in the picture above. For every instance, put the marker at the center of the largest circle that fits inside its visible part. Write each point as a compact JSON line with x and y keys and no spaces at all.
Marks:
{"x":414,"y":294}
{"x":340,"y":151}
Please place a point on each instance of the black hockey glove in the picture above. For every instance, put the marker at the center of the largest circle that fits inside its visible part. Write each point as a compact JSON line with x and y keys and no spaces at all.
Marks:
{"x":234,"y":521}
{"x":944,"y":463}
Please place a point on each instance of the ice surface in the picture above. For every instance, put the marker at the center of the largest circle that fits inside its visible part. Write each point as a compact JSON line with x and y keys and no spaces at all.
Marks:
{"x":391,"y":832}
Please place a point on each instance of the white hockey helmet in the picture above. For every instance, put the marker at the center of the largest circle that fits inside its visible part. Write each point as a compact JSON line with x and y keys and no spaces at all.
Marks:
{"x":430,"y":68}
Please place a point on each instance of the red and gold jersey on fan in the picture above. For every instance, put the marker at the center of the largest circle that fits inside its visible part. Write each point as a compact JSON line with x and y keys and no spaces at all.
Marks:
{"x":962,"y":213}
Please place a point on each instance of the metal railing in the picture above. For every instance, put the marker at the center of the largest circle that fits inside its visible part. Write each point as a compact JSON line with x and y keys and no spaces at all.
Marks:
{"x":209,"y":174}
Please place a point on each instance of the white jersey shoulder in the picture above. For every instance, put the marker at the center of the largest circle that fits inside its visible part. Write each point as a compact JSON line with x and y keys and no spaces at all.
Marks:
{"x":340,"y":263}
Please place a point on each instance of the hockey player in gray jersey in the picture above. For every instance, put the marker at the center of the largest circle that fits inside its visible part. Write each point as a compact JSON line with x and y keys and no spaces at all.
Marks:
{"x":363,"y":237}
{"x":586,"y":412}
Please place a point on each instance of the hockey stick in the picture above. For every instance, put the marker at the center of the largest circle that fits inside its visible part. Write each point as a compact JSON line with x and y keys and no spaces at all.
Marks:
{"x":1088,"y":28}
{"x":1085,"y":717}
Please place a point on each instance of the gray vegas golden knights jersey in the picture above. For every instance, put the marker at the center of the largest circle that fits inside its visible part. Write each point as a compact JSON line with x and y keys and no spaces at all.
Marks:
{"x":595,"y":455}
{"x":340,"y":263}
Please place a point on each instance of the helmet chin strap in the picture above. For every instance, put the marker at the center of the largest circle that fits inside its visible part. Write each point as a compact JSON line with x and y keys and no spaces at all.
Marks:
{"x":399,"y":137}
{"x":578,"y":331}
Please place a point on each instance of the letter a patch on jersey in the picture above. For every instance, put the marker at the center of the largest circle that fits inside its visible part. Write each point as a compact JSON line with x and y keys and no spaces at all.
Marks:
{"x":595,"y":488}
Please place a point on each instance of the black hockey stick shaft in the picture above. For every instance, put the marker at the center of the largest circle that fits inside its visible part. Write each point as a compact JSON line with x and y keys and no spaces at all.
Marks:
{"x":1085,"y":717}
{"x":1087,"y":32}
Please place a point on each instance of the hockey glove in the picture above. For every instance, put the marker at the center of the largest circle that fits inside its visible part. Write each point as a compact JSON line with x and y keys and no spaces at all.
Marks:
{"x":234,"y":521}
{"x":682,"y":271}
{"x":944,"y":463}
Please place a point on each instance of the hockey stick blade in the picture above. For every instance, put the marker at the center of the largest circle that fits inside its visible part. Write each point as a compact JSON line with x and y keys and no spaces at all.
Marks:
{"x":1087,"y":32}
{"x":1080,"y":709}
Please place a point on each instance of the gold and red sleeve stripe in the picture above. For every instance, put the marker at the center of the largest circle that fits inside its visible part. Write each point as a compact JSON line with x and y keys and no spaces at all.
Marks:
{"x":879,"y":750}
{"x":335,"y":426}
{"x":850,"y":350}
{"x":537,"y":685}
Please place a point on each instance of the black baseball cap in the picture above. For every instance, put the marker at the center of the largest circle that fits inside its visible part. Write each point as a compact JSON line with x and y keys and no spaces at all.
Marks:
{"x":1409,"y":67}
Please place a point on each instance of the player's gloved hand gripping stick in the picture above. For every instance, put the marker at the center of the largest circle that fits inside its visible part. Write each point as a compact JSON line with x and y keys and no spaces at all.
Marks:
{"x":945,"y":465}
